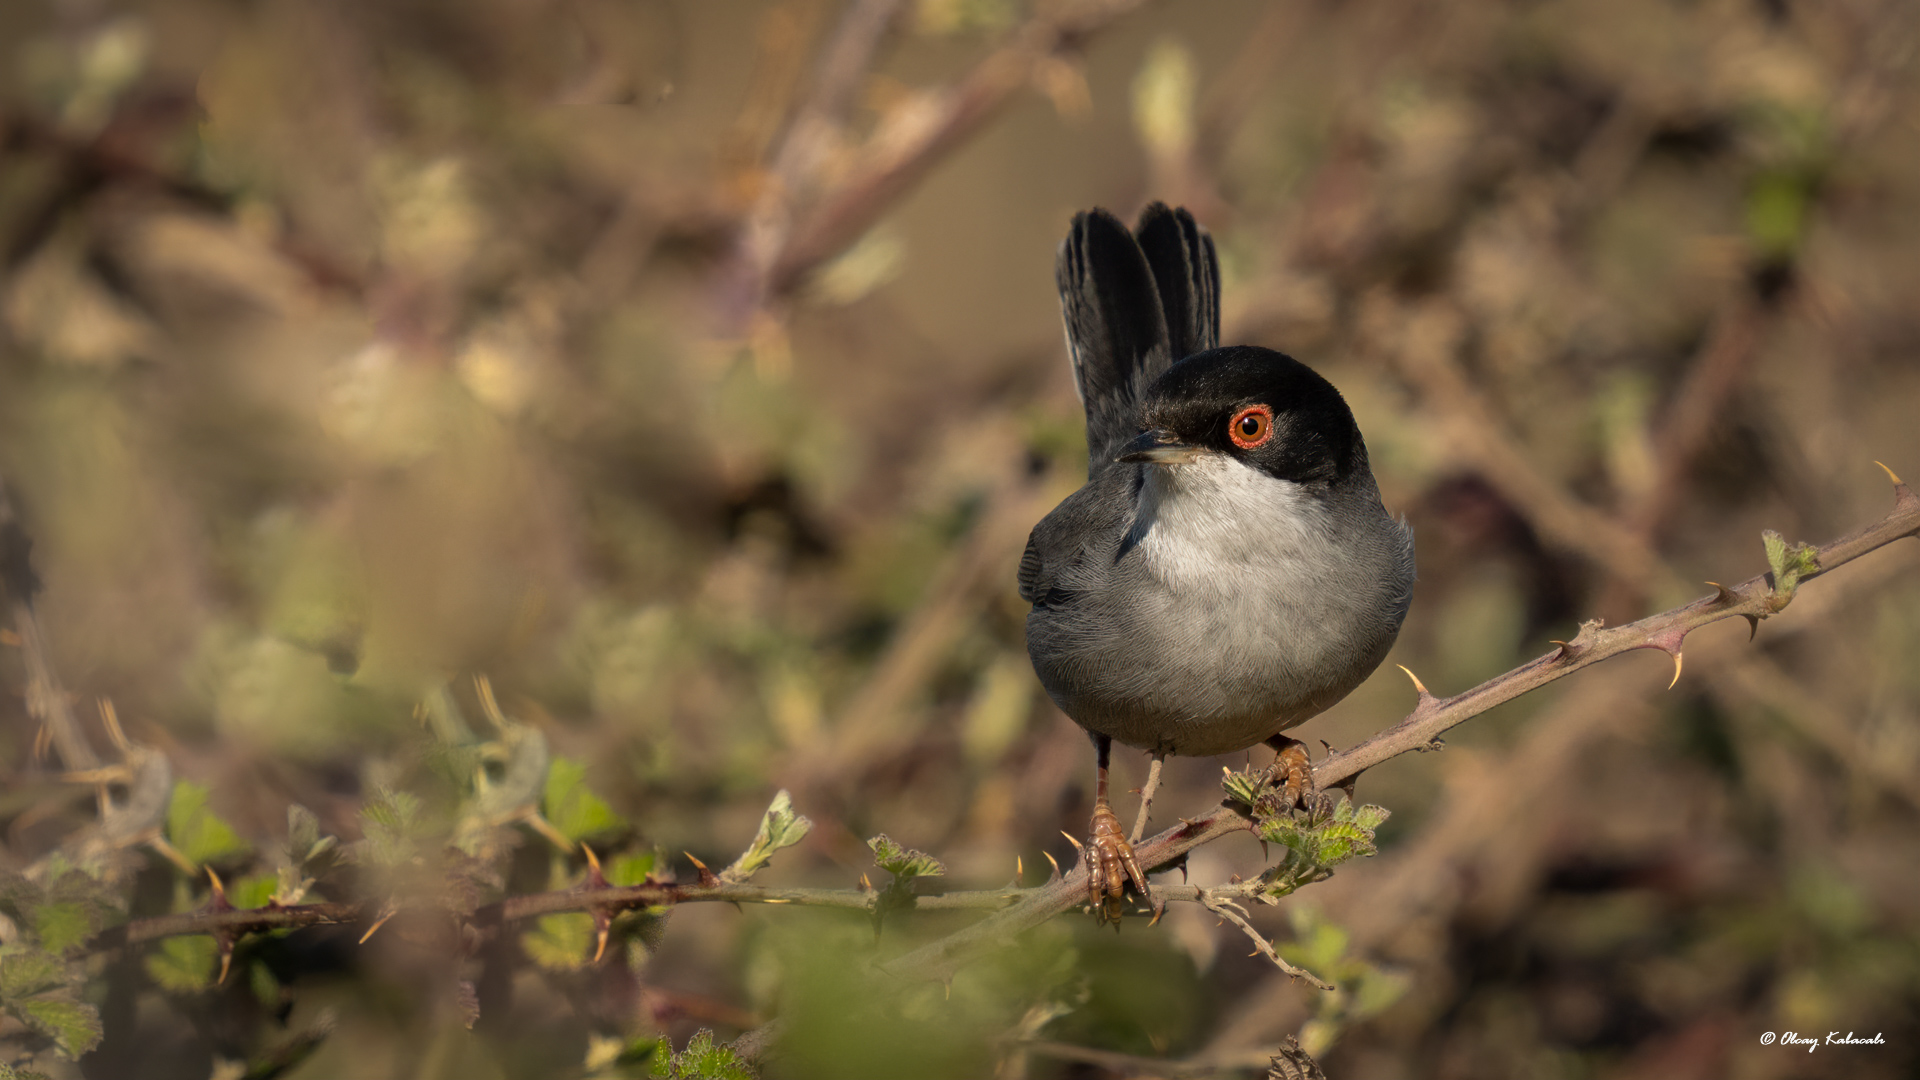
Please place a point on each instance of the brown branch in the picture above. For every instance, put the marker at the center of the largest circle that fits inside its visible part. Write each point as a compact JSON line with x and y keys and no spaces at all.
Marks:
{"x":1753,"y":599}
{"x":903,"y":152}
{"x":1016,"y":909}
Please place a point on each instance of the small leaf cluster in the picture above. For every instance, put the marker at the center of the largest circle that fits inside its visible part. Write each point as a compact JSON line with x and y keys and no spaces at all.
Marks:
{"x":1361,"y":989}
{"x":42,"y":991}
{"x":1789,"y":563}
{"x":904,"y":864}
{"x":780,"y":827}
{"x":1315,"y":840}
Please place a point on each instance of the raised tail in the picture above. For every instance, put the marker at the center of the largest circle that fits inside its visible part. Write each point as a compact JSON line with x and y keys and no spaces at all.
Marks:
{"x":1132,"y":307}
{"x":1187,"y":272}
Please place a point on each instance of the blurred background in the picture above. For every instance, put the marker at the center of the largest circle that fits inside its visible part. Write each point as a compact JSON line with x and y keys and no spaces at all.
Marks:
{"x":692,"y":371}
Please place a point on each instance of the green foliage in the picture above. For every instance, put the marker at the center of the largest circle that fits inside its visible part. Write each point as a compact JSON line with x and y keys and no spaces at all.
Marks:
{"x":706,"y":1059}
{"x":1361,"y":990}
{"x":563,"y":942}
{"x":847,"y":1022}
{"x":780,"y":827}
{"x":631,"y":868}
{"x":902,"y":862}
{"x":8,"y":1072}
{"x":253,"y":891}
{"x":74,"y":1026}
{"x":1314,"y":844}
{"x":390,"y":820}
{"x":573,"y":808}
{"x":62,"y":915}
{"x":184,"y":965}
{"x":42,"y":991}
{"x":62,"y":925}
{"x":197,"y":832}
{"x":1789,"y":564}
{"x":307,"y":855}
{"x":612,"y":1058}
{"x":1329,"y":842}
{"x":1246,"y":786}
{"x":25,"y":971}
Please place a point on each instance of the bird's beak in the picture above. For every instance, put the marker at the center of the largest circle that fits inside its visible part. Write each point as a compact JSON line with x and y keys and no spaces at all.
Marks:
{"x":1156,"y":447}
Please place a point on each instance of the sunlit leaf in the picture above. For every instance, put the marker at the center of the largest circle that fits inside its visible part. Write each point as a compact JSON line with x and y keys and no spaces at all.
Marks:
{"x":560,"y":942}
{"x":572,"y":807}
{"x":903,"y":862}
{"x":196,"y":831}
{"x":184,"y":964}
{"x":780,"y":827}
{"x":73,"y":1026}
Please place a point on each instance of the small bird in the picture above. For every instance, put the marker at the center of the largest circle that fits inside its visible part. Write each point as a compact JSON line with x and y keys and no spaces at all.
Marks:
{"x":1228,"y":571}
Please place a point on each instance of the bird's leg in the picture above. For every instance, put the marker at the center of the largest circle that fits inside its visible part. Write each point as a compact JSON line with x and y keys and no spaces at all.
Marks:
{"x":1110,"y":861}
{"x":1146,"y":796}
{"x":1293,"y":771}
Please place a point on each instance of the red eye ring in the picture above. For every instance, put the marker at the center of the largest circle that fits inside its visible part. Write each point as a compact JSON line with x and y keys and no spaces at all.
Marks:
{"x":1251,"y":427}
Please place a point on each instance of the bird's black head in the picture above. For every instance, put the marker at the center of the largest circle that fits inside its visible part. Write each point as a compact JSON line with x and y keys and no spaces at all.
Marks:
{"x":1263,"y":407}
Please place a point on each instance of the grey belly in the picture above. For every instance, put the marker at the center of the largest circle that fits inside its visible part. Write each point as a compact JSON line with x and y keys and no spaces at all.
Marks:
{"x":1187,"y":675}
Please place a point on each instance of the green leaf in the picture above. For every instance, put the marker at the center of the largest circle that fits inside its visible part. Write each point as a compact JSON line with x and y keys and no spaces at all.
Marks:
{"x":780,"y":827}
{"x":74,"y":1027}
{"x":304,"y":842}
{"x":1244,"y":787}
{"x":389,"y":821}
{"x":705,"y":1059}
{"x":253,"y":891}
{"x":904,"y":863}
{"x":62,"y":926}
{"x":572,"y":807}
{"x":560,"y":942}
{"x":186,"y":964}
{"x":1777,"y":209}
{"x":26,"y":971}
{"x":1789,"y":563}
{"x":196,"y":831}
{"x":632,"y":868}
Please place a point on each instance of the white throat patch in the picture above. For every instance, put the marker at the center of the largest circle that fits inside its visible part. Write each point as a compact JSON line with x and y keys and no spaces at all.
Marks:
{"x":1210,"y":525}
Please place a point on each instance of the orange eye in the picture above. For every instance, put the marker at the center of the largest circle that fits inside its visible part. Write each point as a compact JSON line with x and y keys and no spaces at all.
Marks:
{"x":1251,"y":426}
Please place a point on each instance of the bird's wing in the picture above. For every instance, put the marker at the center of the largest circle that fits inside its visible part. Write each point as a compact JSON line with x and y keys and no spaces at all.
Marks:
{"x":1187,"y":273}
{"x":1116,"y":328}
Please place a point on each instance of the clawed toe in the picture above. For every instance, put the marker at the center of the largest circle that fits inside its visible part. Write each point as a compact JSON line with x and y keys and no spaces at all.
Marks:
{"x":1111,"y":866}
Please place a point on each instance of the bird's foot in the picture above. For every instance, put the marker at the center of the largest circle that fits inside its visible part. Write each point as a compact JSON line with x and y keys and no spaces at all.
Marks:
{"x":1292,"y":776}
{"x":1110,"y":866}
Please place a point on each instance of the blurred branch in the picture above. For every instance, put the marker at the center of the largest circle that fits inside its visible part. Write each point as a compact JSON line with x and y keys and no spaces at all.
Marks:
{"x":1754,"y":599}
{"x":47,"y":702}
{"x":919,"y":135}
{"x":1016,"y":909}
{"x":870,"y":726}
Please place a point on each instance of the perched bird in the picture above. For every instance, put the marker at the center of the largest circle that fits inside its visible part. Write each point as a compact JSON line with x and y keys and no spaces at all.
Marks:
{"x":1228,"y":571}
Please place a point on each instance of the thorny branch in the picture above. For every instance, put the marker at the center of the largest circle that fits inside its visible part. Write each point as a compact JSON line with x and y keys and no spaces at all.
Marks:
{"x":1016,"y":909}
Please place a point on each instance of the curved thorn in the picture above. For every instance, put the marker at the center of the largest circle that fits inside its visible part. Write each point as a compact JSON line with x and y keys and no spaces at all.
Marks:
{"x":1891,"y":475}
{"x":111,"y":718}
{"x":592,"y":859}
{"x":1019,"y":868}
{"x":1677,"y":657}
{"x":1056,"y":865}
{"x":1753,"y":625}
{"x":1419,"y":687}
{"x":378,"y":923}
{"x":1077,"y":845}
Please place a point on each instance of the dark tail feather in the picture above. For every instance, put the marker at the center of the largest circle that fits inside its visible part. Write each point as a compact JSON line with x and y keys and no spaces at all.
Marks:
{"x":1187,"y":272}
{"x":1116,"y":327}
